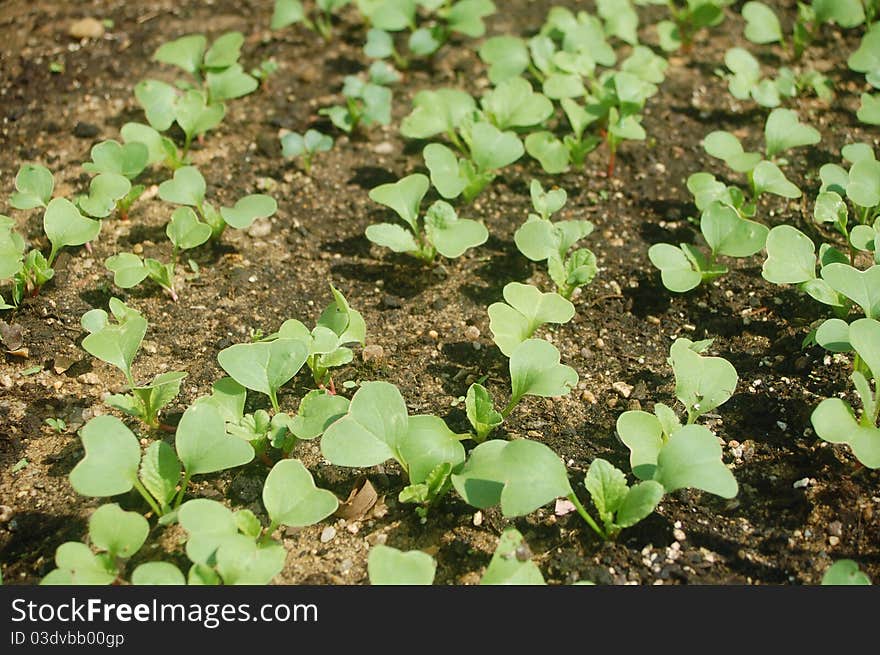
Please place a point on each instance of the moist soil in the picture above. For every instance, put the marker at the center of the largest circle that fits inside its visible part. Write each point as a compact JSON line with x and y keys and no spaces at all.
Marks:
{"x":802,"y":503}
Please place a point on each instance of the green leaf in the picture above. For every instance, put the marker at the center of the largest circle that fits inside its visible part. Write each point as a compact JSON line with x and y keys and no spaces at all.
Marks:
{"x":864,"y":335}
{"x":128,"y":270}
{"x":77,"y":565}
{"x":728,"y":234}
{"x":391,"y":236}
{"x":762,"y":25}
{"x":701,"y":383}
{"x":185,"y":230}
{"x":187,"y":187}
{"x":833,"y":335}
{"x":523,"y":475}
{"x":768,"y":178}
{"x":249,"y":209}
{"x":676,"y":270}
{"x":642,"y":433}
{"x":446,"y":172}
{"x":264,"y":366}
{"x":834,"y":422}
{"x":640,"y":501}
{"x":209,"y":524}
{"x":373,"y":429}
{"x":845,"y":572}
{"x":481,"y":411}
{"x":225,"y":50}
{"x":830,"y":208}
{"x":608,"y":489}
{"x":492,"y":149}
{"x":112,"y":157}
{"x":157,"y":573}
{"x":692,"y":459}
{"x":185,"y":52}
{"x":864,"y":186}
{"x":508,"y":567}
{"x":195,"y":116}
{"x":466,"y":17}
{"x":526,"y":310}
{"x":158,"y":100}
{"x":451,"y":235}
{"x":110,"y":465}
{"x":869,"y":111}
{"x":389,"y":566}
{"x":513,"y":103}
{"x":507,"y":57}
{"x":286,"y":12}
{"x":546,"y":203}
{"x":404,"y":197}
{"x":160,"y":472}
{"x":429,"y":443}
{"x":242,"y":561}
{"x":118,"y":532}
{"x":65,"y":226}
{"x":230,"y":83}
{"x":34,"y":185}
{"x":791,"y":256}
{"x":318,"y":410}
{"x":437,"y":112}
{"x":203,"y":445}
{"x":550,"y":152}
{"x":784,"y":131}
{"x":118,"y":343}
{"x":846,"y":13}
{"x":105,"y":190}
{"x":291,"y":497}
{"x":862,"y":287}
{"x":11,"y":249}
{"x":727,"y":147}
{"x":535,"y":370}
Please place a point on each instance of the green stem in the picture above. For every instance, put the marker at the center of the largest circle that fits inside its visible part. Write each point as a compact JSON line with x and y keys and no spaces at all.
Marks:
{"x":585,"y":516}
{"x":273,"y":396}
{"x":513,"y":402}
{"x":143,"y":492}
{"x":52,"y":255}
{"x":183,"y":486}
{"x":272,"y":527}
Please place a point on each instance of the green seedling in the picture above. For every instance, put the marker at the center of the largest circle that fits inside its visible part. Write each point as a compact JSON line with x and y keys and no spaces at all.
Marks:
{"x":512,"y":562}
{"x":686,"y":19}
{"x":683,"y":456}
{"x":305,"y":146}
{"x":524,"y":311}
{"x":834,"y":419}
{"x":128,"y":160}
{"x":389,"y":566}
{"x":745,"y":81}
{"x":726,"y":233}
{"x":378,"y":427}
{"x":117,"y":344}
{"x":524,"y":475}
{"x":338,"y":327}
{"x":443,"y":18}
{"x":188,"y":187}
{"x":265,"y":366}
{"x":366,"y":102}
{"x":845,"y":572}
{"x":56,"y":424}
{"x":115,"y":534}
{"x":114,"y":166}
{"x":439,"y":231}
{"x":320,"y":20}
{"x":34,"y":185}
{"x":160,"y":149}
{"x":866,"y":59}
{"x":266,"y":69}
{"x":513,"y":104}
{"x":535,"y":370}
{"x":165,"y":105}
{"x":185,"y":232}
{"x":540,"y":239}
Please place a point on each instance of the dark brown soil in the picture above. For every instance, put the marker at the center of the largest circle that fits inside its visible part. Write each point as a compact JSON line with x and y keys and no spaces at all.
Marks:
{"x":774,"y":532}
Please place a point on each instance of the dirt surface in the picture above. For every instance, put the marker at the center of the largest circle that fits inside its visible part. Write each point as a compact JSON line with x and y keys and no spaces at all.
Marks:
{"x":794,"y":489}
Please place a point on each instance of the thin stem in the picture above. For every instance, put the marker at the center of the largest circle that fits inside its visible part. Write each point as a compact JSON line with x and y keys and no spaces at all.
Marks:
{"x":507,"y":410}
{"x":183,"y":486}
{"x":149,"y":498}
{"x":585,"y":516}
{"x":273,"y":396}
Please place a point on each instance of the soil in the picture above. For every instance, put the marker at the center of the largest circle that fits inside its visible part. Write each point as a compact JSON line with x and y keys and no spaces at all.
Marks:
{"x":802,"y":504}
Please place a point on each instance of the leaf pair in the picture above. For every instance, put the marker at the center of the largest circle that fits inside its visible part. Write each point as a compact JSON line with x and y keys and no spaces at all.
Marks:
{"x":191,"y":110}
{"x":525,"y":310}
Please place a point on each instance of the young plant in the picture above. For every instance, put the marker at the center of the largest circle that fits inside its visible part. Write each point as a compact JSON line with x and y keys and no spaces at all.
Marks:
{"x":188,"y":187}
{"x":683,"y":456}
{"x":114,"y":165}
{"x":525,"y":310}
{"x":378,"y":427}
{"x":264,"y":366}
{"x":834,"y":419}
{"x":535,"y":370}
{"x":160,"y":149}
{"x":165,"y":105}
{"x":686,"y":18}
{"x":866,"y":59}
{"x":745,"y":81}
{"x":366,"y":102}
{"x":524,"y":475}
{"x":289,"y":12}
{"x":305,"y":146}
{"x":117,"y":344}
{"x":185,"y":232}
{"x":113,"y":463}
{"x":845,"y":572}
{"x":540,"y":239}
{"x":440,"y":231}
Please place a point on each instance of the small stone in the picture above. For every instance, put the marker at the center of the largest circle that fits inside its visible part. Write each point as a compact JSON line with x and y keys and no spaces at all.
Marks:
{"x":373,"y":353}
{"x":589,"y":397}
{"x":833,"y":541}
{"x":6,"y":513}
{"x":89,"y":378}
{"x":327,"y":534}
{"x":611,"y":402}
{"x":86,"y":28}
{"x":600,"y":343}
{"x":803,"y":483}
{"x":653,"y":320}
{"x":679,"y":534}
{"x":391,"y":302}
{"x":623,"y":389}
{"x":433,"y":334}
{"x":835,"y":529}
{"x":478,"y":519}
{"x":471,"y":333}
{"x":86,"y":130}
{"x":260,"y":228}
{"x":383,"y":148}
{"x":138,"y":249}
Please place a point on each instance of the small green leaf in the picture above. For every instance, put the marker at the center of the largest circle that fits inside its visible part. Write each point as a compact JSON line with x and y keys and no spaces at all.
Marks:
{"x":526,"y":310}
{"x":481,"y":411}
{"x":185,"y":230}
{"x":676,"y":270}
{"x":404,"y":197}
{"x":203,"y":445}
{"x":535,"y":370}
{"x":784,"y":131}
{"x":318,"y":410}
{"x":389,"y":566}
{"x":110,"y":465}
{"x":508,"y":566}
{"x":845,"y":572}
{"x":451,"y":235}
{"x":791,"y":256}
{"x":249,"y":209}
{"x":692,"y":458}
{"x":160,"y":472}
{"x":185,"y":52}
{"x":437,"y":112}
{"x":34,"y":185}
{"x":112,"y":157}
{"x":762,"y":25}
{"x":158,"y":100}
{"x":187,"y":187}
{"x":291,"y":497}
{"x":118,"y":532}
{"x":262,"y":366}
{"x":65,"y":226}
{"x":701,"y":383}
{"x":862,"y":287}
{"x":157,"y":573}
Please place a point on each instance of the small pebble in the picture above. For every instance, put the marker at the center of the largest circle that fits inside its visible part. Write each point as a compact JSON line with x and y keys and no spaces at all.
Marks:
{"x":588,"y":396}
{"x":433,"y":334}
{"x":89,"y":378}
{"x":835,"y":529}
{"x":679,"y":534}
{"x":86,"y":130}
{"x":373,"y":353}
{"x":6,"y":513}
{"x":260,"y":228}
{"x":478,"y":519}
{"x":833,"y":541}
{"x":86,"y":28}
{"x":327,"y":534}
{"x":623,"y":389}
{"x":383,"y":148}
{"x":471,"y":333}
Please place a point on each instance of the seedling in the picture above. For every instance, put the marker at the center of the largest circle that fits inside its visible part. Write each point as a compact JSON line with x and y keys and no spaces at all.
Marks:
{"x":185,"y":232}
{"x":540,"y":239}
{"x":264,"y":366}
{"x":164,"y":105}
{"x":686,"y":18}
{"x":526,"y":309}
{"x":535,"y":370}
{"x":378,"y":427}
{"x":845,"y":572}
{"x":675,"y":455}
{"x":834,"y":419}
{"x":440,"y":231}
{"x":366,"y":102}
{"x":160,"y":149}
{"x":523,"y":475}
{"x":389,"y":566}
{"x":113,"y":463}
{"x":188,"y":187}
{"x":305,"y":146}
{"x":266,"y":69}
{"x":56,"y":424}
{"x":866,"y":59}
{"x":745,"y":81}
{"x":289,"y":12}
{"x":117,"y":344}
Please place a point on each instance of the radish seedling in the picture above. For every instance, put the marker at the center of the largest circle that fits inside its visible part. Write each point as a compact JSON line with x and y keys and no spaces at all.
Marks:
{"x":164,"y":105}
{"x":160,"y":149}
{"x":264,"y":366}
{"x":681,"y":456}
{"x":188,"y":187}
{"x":289,"y":12}
{"x":117,"y":344}
{"x":686,"y":18}
{"x":845,"y":572}
{"x":745,"y":81}
{"x":439,"y":231}
{"x":366,"y":103}
{"x":524,"y":311}
{"x":866,"y":59}
{"x":305,"y":146}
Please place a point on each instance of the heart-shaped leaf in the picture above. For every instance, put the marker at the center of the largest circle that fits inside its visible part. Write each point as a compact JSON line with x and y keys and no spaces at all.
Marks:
{"x":203,"y":445}
{"x":550,"y":152}
{"x":187,"y":187}
{"x":112,"y":157}
{"x":762,"y":25}
{"x":158,"y":100}
{"x":507,"y":57}
{"x":642,"y":433}
{"x":526,"y":310}
{"x":264,"y":366}
{"x":791,"y":256}
{"x":157,"y":573}
{"x":128,"y":269}
{"x":445,"y":169}
{"x":834,"y":422}
{"x":864,"y":183}
{"x":147,"y":136}
{"x":225,"y":51}
{"x":701,"y":383}
{"x":33,"y":187}
{"x":110,"y":465}
{"x":692,"y":459}
{"x":507,"y":567}
{"x":845,"y":572}
{"x":676,"y":270}
{"x":451,"y":235}
{"x":209,"y":524}
{"x":373,"y":429}
{"x":105,"y":190}
{"x":864,"y":335}
{"x":78,"y":565}
{"x":727,"y":147}
{"x":728,"y":234}
{"x":769,"y":178}
{"x":862,"y":287}
{"x":437,"y":112}
{"x":492,"y":149}
{"x":389,"y":566}
{"x":249,"y":209}
{"x":513,"y":103}
{"x":404,"y":197}
{"x":833,"y":335}
{"x":535,"y":370}
{"x":230,"y":83}
{"x":318,"y":410}
{"x":186,"y":230}
{"x":65,"y":226}
{"x":243,"y":561}
{"x":118,"y":532}
{"x":784,"y":131}
{"x":185,"y":52}
{"x":195,"y":115}
{"x":291,"y":497}
{"x":429,"y":443}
